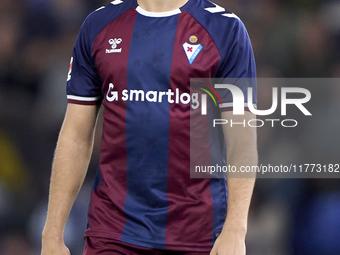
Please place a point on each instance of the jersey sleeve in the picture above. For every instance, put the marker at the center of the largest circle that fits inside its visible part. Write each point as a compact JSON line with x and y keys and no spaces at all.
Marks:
{"x":83,"y":81}
{"x":237,"y":66}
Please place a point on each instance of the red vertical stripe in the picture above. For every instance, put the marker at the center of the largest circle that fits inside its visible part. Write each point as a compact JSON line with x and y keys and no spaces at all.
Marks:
{"x":107,"y":202}
{"x":190,"y":202}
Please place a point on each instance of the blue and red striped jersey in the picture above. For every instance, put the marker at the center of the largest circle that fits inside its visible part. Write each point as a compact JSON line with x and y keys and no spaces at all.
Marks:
{"x":138,"y":64}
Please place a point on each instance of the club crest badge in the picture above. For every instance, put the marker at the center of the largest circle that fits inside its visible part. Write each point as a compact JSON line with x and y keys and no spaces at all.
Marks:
{"x":192,"y":50}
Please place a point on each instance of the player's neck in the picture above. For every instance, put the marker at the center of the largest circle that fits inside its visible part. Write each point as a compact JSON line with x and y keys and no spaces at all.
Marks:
{"x":161,"y":5}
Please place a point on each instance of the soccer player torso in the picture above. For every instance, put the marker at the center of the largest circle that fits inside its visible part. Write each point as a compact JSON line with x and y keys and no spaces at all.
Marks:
{"x":139,"y":65}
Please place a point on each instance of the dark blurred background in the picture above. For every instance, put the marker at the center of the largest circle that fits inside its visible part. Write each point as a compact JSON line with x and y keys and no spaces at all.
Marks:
{"x":292,"y":38}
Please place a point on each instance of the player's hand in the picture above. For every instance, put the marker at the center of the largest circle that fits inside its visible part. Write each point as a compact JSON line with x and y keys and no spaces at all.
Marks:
{"x":51,"y":247}
{"x":229,"y":243}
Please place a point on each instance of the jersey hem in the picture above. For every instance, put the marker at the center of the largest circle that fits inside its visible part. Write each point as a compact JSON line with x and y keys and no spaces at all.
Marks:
{"x":172,"y":247}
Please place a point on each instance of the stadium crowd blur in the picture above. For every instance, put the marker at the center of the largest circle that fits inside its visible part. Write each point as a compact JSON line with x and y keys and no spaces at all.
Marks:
{"x":291,"y":38}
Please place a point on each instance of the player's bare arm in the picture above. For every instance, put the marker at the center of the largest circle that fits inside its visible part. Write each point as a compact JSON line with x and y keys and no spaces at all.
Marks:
{"x":70,"y":165}
{"x":241,"y":151}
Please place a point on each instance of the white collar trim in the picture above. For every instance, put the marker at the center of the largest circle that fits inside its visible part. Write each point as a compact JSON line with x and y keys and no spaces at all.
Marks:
{"x":157,"y":14}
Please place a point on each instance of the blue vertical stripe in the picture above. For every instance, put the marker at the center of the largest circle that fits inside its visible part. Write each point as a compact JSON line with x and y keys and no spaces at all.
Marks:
{"x":147,"y":131}
{"x":218,"y":187}
{"x":219,"y":193}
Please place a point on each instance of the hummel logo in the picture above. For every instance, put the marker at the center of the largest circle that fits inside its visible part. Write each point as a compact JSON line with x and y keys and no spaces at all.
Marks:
{"x":114,"y":43}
